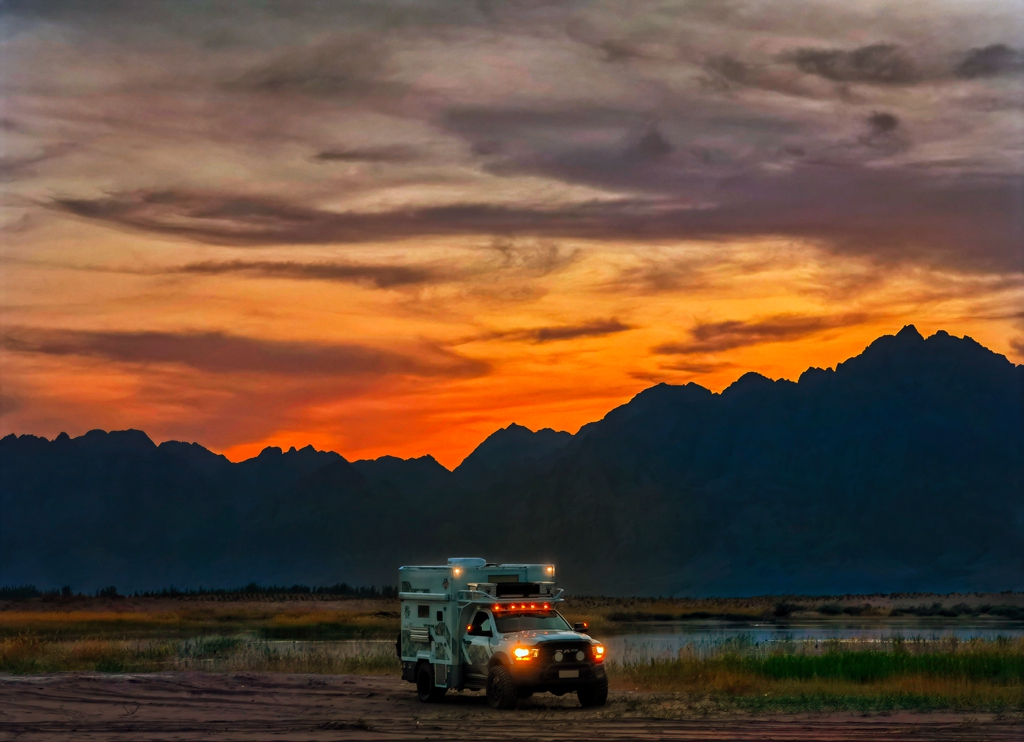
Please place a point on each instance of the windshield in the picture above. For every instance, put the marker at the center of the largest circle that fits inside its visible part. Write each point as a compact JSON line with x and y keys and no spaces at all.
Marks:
{"x":531,"y":621}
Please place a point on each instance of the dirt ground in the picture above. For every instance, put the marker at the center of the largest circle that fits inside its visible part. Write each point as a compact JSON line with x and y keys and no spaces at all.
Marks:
{"x":198,"y":706}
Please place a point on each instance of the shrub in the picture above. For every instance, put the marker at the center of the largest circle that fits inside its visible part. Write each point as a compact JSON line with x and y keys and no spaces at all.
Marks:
{"x":783,"y":609}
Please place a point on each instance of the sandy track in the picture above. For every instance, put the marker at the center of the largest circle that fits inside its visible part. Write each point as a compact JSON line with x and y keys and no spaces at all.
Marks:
{"x":197,"y":706}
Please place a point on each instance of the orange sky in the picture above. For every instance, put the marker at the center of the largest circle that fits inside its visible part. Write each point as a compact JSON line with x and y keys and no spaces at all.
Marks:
{"x":382,"y":235}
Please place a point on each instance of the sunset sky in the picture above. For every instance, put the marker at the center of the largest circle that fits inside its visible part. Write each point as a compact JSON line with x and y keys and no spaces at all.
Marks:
{"x":392,"y":228}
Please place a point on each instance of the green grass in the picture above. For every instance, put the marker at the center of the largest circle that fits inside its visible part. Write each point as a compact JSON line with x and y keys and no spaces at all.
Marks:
{"x":812,"y":676}
{"x":865,"y":667}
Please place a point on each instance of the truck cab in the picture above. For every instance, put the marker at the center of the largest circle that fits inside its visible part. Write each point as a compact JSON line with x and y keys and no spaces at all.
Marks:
{"x":478,"y":625}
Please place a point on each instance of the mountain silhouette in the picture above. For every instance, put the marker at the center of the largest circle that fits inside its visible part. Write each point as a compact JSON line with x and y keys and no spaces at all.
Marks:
{"x":900,"y":470}
{"x":508,"y":452}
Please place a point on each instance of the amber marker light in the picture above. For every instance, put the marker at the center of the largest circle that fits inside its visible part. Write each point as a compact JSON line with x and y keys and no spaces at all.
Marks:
{"x":550,"y":570}
{"x":598,"y":653}
{"x":524,"y":654}
{"x":457,"y":571}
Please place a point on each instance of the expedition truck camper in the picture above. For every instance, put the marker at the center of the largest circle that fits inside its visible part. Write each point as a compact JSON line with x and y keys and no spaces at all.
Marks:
{"x":472,"y":625}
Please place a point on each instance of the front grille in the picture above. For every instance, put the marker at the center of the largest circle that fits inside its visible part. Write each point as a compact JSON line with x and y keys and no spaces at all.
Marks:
{"x":564,"y":653}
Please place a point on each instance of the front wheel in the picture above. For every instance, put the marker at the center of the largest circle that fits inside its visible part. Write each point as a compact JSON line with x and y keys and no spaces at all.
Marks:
{"x":425,"y":688}
{"x":593,"y":694}
{"x":501,"y":690}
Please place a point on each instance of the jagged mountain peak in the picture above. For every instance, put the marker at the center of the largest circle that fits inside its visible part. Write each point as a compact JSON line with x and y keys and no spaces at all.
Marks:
{"x":510,"y":448}
{"x":898,"y":470}
{"x":131,"y":440}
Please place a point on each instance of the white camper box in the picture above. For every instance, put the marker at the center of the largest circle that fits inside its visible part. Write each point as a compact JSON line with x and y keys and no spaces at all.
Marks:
{"x":437,"y":602}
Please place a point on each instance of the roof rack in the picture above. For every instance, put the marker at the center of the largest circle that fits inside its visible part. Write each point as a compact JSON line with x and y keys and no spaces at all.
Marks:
{"x":468,"y":597}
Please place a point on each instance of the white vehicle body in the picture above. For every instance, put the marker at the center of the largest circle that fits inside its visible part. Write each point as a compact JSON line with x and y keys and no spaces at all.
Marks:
{"x":471,"y":624}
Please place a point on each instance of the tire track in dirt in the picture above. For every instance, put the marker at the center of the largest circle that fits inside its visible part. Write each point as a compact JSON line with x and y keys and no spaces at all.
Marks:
{"x":249,"y":706}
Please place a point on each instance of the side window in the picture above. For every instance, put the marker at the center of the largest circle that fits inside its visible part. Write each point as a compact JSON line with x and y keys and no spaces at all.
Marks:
{"x":481,"y":624}
{"x":423,"y":611}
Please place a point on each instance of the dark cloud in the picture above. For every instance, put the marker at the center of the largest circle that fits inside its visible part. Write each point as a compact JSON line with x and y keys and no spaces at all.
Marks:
{"x":883,"y":123}
{"x":884,"y":134}
{"x":216,"y":352}
{"x":486,"y":147}
{"x":1018,"y":345}
{"x":594,"y":328}
{"x":729,"y":68}
{"x":713,"y":337}
{"x":619,"y":51}
{"x":652,"y":145}
{"x":344,"y":67}
{"x":396,"y":153}
{"x":971,"y":223}
{"x":618,"y":149}
{"x":381,"y":276}
{"x":991,"y":61}
{"x":884,"y":64}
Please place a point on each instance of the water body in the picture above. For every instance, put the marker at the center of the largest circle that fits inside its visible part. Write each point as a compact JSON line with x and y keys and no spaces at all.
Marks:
{"x":666,"y":639}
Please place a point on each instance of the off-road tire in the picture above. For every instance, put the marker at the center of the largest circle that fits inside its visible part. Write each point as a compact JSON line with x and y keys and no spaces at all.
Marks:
{"x":501,"y":690}
{"x":593,"y":694}
{"x":425,"y":688}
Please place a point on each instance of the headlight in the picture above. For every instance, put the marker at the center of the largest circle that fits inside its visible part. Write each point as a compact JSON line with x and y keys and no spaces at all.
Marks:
{"x":598,"y":653}
{"x":524,"y":654}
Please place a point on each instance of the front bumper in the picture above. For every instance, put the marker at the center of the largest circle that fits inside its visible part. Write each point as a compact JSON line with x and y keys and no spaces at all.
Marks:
{"x":554,"y":674}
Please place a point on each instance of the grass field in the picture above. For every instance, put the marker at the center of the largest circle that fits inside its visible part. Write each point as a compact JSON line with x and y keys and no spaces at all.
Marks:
{"x":353,"y":636}
{"x":878,"y":676}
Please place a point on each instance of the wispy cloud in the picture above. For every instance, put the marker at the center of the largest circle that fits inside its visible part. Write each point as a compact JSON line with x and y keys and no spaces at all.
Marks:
{"x":884,"y":64}
{"x":381,"y":276}
{"x":217,"y":352}
{"x":391,"y":153}
{"x":592,"y":328}
{"x":967,"y":223}
{"x":991,"y":61}
{"x":16,"y":166}
{"x":713,"y":337}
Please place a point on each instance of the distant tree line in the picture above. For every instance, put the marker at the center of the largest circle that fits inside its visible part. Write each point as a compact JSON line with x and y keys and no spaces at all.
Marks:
{"x":23,"y":592}
{"x":341,"y":589}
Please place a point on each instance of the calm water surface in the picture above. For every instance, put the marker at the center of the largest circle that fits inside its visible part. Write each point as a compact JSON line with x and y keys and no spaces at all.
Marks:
{"x":656,"y":640}
{"x":665,"y":639}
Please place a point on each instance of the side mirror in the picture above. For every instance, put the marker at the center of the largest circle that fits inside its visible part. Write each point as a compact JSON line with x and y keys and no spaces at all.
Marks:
{"x":581,"y":627}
